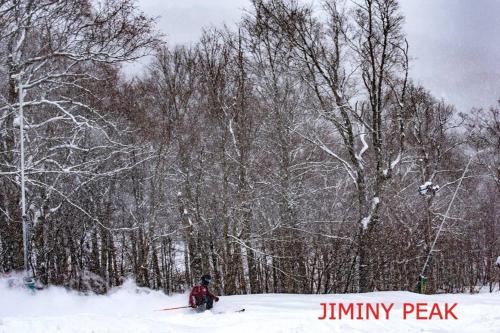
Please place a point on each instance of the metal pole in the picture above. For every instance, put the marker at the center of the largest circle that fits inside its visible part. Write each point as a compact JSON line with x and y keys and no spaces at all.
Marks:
{"x":23,"y":196}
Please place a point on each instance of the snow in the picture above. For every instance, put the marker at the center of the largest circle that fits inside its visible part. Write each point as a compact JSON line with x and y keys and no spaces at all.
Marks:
{"x":365,"y":221}
{"x":17,"y":122}
{"x":359,"y":156}
{"x":498,"y":261}
{"x":426,"y":184}
{"x":131,"y":309}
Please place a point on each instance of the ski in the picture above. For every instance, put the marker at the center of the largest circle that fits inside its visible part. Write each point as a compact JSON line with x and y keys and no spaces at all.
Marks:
{"x":228,"y":311}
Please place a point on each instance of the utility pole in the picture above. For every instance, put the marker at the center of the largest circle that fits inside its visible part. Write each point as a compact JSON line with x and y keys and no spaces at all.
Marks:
{"x":23,"y":190}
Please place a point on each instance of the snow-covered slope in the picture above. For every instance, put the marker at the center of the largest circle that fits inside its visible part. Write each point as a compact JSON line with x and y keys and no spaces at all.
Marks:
{"x":131,"y":309}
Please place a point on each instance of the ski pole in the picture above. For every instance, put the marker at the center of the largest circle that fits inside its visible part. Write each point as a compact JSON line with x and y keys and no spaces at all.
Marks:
{"x":179,"y":307}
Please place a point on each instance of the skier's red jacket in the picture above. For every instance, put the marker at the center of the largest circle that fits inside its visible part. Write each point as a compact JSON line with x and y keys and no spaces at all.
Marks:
{"x":200,"y":291}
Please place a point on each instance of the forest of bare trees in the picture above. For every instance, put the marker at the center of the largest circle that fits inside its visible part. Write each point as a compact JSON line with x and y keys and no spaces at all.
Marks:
{"x":294,"y":154}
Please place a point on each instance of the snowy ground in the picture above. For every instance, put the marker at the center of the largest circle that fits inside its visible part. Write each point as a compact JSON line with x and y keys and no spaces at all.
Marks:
{"x":129,"y":309}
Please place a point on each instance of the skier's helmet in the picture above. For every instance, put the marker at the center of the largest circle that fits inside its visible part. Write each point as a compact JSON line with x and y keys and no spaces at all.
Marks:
{"x":205,"y":279}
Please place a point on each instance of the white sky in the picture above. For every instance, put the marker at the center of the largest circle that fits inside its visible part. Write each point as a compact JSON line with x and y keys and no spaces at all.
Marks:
{"x":454,"y":43}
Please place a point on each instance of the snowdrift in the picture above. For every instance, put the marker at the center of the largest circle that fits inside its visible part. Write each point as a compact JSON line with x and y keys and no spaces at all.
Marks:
{"x":132,"y":309}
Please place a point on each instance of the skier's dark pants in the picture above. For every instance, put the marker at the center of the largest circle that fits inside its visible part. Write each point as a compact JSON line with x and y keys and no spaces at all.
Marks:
{"x":207,"y":300}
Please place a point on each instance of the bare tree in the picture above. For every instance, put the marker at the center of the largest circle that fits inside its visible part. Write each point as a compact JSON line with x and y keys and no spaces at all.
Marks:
{"x":58,"y":55}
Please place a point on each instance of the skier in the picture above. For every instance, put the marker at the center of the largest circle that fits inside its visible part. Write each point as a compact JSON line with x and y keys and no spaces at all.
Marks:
{"x":200,"y":297}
